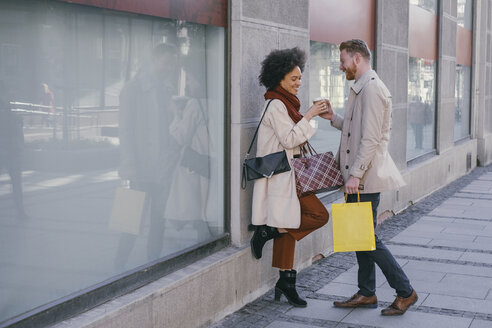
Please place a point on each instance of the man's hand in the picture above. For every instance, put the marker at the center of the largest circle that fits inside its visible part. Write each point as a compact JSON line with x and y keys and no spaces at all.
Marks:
{"x":328,"y":113}
{"x":352,"y":185}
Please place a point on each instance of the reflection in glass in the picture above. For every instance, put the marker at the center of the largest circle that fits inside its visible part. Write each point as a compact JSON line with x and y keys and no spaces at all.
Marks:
{"x":328,"y":81}
{"x":102,"y":114}
{"x":463,"y":78}
{"x":464,"y":13}
{"x":462,"y":104}
{"x":11,"y":147}
{"x":421,"y":107}
{"x":429,"y":5}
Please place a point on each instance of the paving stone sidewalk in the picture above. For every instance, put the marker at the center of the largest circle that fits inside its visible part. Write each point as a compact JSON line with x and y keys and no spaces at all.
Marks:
{"x":444,"y":244}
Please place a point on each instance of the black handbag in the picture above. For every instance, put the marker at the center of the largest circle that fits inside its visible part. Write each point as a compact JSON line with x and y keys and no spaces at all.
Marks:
{"x":266,"y":166}
{"x":196,"y":162}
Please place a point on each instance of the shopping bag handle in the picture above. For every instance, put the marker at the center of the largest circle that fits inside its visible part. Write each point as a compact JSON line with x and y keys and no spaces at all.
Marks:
{"x":358,"y":197}
{"x":307,"y":147}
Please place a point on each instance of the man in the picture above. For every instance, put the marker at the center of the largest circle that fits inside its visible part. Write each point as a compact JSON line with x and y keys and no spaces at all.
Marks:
{"x":367,"y":168}
{"x":11,"y":144}
{"x":148,"y":152}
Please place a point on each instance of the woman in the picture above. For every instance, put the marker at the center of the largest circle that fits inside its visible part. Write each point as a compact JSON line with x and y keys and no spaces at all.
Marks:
{"x":187,"y":202}
{"x":277,"y":211}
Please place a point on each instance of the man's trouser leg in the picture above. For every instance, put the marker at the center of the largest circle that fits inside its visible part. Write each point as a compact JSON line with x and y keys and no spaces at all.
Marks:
{"x":381,"y":256}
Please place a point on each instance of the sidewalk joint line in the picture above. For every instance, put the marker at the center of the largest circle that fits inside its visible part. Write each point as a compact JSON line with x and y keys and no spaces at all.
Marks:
{"x":438,"y":247}
{"x":457,"y":218}
{"x":316,"y":322}
{"x":448,"y":261}
{"x":415,"y":308}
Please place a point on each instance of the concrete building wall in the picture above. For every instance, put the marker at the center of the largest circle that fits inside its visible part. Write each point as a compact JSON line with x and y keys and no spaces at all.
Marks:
{"x":256,"y":28}
{"x":220,"y":284}
{"x":482,"y":90}
{"x":391,"y":65}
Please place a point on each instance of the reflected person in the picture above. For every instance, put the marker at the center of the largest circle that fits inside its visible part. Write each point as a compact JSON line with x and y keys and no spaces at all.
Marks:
{"x":147,"y":149}
{"x":11,"y":144}
{"x":186,"y":204}
{"x":417,"y":120}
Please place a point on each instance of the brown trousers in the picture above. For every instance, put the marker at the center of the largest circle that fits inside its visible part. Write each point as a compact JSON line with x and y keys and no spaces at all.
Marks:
{"x":313,"y":216}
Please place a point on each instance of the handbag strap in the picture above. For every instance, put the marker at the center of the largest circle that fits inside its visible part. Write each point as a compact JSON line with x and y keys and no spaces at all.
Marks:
{"x":243,"y":178}
{"x":204,"y":117}
{"x":257,"y":128}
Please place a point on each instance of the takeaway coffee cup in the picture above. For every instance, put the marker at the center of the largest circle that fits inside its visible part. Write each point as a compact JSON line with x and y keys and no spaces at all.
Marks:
{"x":319,"y":99}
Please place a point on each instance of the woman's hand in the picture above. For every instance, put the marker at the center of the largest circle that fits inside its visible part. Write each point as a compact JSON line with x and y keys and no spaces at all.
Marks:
{"x":316,"y":109}
{"x":328,"y":114}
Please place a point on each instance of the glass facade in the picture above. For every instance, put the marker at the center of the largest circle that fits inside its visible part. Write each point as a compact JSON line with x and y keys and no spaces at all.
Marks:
{"x":462,"y":104}
{"x":463,"y":73}
{"x":111,"y":146}
{"x":429,"y":5}
{"x":464,"y":13}
{"x":328,"y":81}
{"x":421,"y":107}
{"x":421,"y":127}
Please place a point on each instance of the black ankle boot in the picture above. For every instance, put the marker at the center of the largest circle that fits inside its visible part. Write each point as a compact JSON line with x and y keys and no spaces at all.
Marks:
{"x":287,"y":285}
{"x":262,"y":234}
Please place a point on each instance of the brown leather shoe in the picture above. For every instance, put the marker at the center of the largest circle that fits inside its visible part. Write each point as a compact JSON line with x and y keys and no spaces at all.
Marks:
{"x":358,"y":301}
{"x":400,"y":305}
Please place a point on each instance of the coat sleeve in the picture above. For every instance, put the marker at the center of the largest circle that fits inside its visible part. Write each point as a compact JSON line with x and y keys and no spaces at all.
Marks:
{"x":289,"y":134}
{"x":337,"y":121}
{"x":372,"y":106}
{"x":184,"y":126}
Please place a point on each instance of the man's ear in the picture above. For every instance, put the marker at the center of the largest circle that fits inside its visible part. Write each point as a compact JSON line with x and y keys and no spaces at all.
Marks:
{"x":357,"y":58}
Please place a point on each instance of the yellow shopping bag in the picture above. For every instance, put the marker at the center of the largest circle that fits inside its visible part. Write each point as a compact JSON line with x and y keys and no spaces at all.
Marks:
{"x":353,"y":228}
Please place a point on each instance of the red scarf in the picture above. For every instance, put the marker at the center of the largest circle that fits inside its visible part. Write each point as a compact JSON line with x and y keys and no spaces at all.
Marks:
{"x":290,"y":101}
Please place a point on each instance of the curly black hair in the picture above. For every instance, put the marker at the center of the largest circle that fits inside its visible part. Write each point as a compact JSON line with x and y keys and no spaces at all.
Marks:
{"x":279,"y":63}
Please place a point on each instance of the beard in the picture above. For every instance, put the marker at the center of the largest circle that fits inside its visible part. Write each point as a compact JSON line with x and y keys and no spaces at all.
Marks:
{"x":350,"y":72}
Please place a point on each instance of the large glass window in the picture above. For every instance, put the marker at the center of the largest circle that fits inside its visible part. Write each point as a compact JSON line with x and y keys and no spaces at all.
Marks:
{"x":328,"y":81}
{"x":325,"y":77}
{"x":422,"y":46}
{"x":111,"y":146}
{"x":428,"y":5}
{"x":462,"y":104}
{"x":463,"y":70}
{"x":421,"y":107}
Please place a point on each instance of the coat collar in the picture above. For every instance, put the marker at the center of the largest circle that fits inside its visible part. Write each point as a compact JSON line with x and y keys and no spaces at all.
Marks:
{"x":362,"y":81}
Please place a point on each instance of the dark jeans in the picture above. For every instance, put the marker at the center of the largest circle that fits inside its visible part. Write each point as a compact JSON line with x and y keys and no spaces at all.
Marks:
{"x":13,"y":166}
{"x":381,"y":256}
{"x":157,"y":195}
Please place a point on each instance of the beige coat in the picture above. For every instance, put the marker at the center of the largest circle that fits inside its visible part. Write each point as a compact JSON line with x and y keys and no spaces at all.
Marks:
{"x":366,"y":126}
{"x":275,"y":201}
